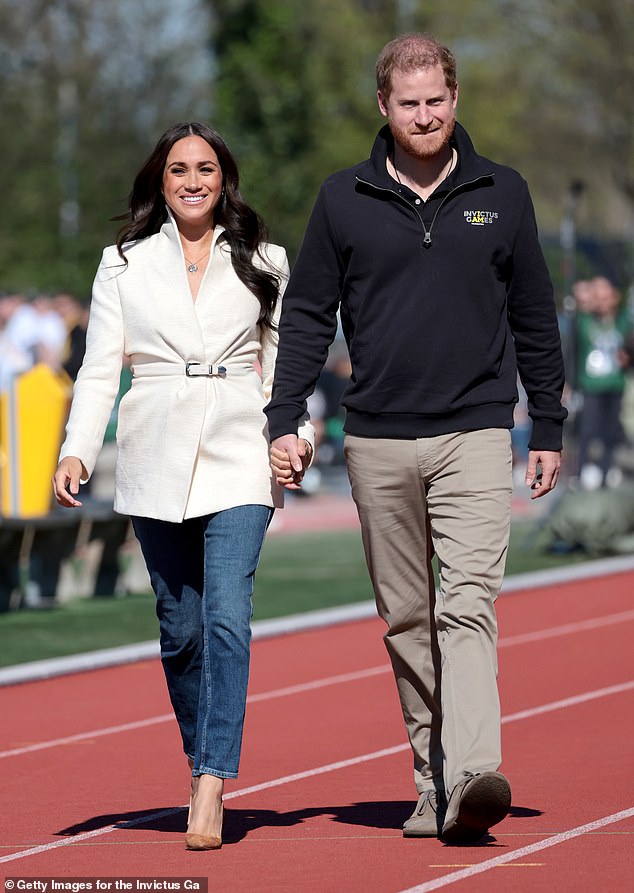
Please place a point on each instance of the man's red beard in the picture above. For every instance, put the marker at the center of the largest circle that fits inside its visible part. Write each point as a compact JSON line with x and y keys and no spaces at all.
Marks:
{"x":424,"y":146}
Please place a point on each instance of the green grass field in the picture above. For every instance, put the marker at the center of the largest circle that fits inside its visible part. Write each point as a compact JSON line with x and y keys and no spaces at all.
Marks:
{"x":298,"y":572}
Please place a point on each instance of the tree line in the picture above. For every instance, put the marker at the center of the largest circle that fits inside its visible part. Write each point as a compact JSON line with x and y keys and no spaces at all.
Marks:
{"x":86,"y":88}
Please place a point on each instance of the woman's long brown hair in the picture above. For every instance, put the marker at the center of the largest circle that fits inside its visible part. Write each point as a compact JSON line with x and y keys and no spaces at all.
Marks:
{"x":244,"y":229}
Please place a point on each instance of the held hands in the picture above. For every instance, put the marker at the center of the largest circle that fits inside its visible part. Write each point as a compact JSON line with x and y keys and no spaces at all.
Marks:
{"x":66,"y":481}
{"x":543,"y":483}
{"x":290,"y":457}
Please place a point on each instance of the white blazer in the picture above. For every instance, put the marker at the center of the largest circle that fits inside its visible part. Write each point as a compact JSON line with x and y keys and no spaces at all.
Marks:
{"x":187,"y":446}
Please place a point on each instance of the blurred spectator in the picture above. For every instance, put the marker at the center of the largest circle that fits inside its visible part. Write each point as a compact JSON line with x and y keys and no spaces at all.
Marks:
{"x":34,"y":333}
{"x":602,"y":330}
{"x":330,"y":387}
{"x":75,"y":317}
{"x":14,"y":356}
{"x":583,"y":292}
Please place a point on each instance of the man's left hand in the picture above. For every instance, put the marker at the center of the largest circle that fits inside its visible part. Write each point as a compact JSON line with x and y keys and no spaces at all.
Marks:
{"x":550,"y":464}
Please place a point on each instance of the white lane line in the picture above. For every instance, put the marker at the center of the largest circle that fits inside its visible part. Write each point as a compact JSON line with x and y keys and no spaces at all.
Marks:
{"x":570,"y":702}
{"x":567,"y":628}
{"x":165,"y":717}
{"x":83,"y":736}
{"x":318,"y":683}
{"x":320,"y":770}
{"x":520,"y":853}
{"x":87,"y":835}
{"x":505,"y":642}
{"x":308,"y":773}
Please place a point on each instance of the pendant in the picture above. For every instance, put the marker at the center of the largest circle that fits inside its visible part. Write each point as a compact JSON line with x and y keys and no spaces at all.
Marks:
{"x":192,"y":268}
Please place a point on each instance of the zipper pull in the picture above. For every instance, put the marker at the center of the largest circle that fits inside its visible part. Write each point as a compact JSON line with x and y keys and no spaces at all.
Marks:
{"x":427,"y":240}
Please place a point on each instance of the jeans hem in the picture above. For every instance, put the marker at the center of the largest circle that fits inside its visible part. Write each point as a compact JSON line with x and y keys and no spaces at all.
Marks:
{"x":219,"y":773}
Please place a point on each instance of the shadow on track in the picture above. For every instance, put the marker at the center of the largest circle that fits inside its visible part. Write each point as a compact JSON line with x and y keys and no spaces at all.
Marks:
{"x":239,"y":823}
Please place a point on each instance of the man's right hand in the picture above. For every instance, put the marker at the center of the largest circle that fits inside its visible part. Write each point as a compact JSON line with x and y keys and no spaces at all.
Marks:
{"x":289,"y":459}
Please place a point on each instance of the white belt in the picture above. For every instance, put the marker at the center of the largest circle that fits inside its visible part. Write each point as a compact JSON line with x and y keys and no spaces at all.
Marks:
{"x":191,"y":370}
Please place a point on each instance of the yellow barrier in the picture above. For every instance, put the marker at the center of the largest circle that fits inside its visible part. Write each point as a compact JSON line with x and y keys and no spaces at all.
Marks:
{"x":32,"y":416}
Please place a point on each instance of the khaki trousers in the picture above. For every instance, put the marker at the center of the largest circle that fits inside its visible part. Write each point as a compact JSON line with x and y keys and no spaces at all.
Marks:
{"x":449,"y":495}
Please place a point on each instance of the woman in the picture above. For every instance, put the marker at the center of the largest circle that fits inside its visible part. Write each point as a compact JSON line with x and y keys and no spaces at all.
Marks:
{"x":190,"y":293}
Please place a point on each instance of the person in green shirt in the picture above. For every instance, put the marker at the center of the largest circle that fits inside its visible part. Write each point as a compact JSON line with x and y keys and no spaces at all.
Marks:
{"x":603,"y":329}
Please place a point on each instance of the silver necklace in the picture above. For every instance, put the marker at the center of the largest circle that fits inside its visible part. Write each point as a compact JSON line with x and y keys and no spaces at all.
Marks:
{"x":193,"y":264}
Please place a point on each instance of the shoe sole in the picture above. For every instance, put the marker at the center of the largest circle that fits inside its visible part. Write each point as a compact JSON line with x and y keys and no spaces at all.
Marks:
{"x":409,"y":833}
{"x":485,"y":802}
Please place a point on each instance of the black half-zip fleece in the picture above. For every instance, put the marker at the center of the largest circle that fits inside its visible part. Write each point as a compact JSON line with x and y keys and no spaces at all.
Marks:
{"x":441,"y":303}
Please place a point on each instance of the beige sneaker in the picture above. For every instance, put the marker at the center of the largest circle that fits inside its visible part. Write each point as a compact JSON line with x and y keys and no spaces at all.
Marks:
{"x":427,"y":818}
{"x":477,"y":802}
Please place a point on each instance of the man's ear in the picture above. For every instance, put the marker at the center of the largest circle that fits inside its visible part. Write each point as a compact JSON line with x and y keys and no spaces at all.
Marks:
{"x":382,"y":100}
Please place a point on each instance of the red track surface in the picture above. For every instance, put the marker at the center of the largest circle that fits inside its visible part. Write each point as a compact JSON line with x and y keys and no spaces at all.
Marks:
{"x":569,"y":759}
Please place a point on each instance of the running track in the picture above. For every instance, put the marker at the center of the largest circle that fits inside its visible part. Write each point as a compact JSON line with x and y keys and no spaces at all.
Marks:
{"x":94,"y":783}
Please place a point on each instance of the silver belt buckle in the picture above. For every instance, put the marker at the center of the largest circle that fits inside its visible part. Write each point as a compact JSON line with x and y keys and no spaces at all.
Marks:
{"x":204,"y":369}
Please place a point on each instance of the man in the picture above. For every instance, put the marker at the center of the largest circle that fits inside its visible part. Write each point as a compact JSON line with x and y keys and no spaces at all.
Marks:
{"x":431,"y":253}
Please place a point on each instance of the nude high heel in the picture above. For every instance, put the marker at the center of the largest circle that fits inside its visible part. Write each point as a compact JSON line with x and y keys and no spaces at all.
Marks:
{"x":205,"y":841}
{"x":201,"y":795}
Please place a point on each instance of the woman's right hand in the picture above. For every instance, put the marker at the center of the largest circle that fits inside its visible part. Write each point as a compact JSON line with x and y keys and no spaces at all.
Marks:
{"x":66,"y":481}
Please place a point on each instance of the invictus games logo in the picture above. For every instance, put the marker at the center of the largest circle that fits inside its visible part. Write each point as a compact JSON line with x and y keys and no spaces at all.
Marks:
{"x":480,"y":218}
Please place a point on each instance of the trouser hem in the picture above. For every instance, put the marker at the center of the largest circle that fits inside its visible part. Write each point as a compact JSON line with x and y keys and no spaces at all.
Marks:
{"x":219,"y":773}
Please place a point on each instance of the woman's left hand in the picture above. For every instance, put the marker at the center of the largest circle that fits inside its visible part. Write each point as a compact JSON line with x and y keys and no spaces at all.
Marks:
{"x":290,"y":457}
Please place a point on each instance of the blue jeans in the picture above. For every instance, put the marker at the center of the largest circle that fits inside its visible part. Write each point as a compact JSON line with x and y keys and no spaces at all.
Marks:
{"x":202,"y":573}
